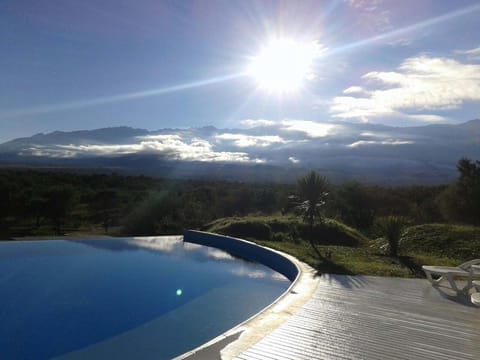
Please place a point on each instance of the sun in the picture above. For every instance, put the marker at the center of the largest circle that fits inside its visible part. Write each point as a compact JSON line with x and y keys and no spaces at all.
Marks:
{"x":283,"y":65}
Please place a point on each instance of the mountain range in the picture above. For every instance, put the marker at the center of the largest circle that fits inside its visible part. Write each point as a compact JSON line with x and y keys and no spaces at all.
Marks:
{"x":260,"y":150}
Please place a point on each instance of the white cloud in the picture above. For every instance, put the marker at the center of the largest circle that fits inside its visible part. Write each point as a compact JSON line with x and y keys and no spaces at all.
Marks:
{"x":354,"y":90}
{"x":472,"y":54}
{"x":293,"y":160}
{"x":242,"y":140}
{"x":171,"y":146}
{"x":371,"y":135}
{"x":160,"y":137}
{"x":371,"y":15}
{"x":347,"y":107}
{"x":43,"y":151}
{"x":310,"y":128}
{"x":251,"y":123}
{"x":420,"y":83}
{"x":384,"y":142}
{"x":428,"y":118}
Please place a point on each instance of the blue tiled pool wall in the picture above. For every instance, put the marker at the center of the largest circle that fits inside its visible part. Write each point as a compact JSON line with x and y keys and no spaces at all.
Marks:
{"x":246,"y":250}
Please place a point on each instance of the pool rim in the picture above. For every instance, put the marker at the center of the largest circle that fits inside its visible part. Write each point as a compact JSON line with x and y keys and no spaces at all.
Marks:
{"x":239,"y":328}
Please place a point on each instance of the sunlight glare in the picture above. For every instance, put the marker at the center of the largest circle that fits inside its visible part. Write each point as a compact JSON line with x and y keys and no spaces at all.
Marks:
{"x":284,"y":65}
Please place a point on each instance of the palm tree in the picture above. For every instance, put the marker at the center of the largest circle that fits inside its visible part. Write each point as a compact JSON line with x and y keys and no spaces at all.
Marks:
{"x":393,"y":227}
{"x":312,"y":192}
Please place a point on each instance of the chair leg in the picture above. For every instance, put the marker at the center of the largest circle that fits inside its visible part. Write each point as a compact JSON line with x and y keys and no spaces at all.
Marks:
{"x":432,"y":280}
{"x":451,"y":280}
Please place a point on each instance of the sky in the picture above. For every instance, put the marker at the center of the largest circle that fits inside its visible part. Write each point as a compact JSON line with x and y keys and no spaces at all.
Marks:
{"x":69,"y":65}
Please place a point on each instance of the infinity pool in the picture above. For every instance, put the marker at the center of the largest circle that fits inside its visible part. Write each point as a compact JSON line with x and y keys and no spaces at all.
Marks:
{"x":132,"y":298}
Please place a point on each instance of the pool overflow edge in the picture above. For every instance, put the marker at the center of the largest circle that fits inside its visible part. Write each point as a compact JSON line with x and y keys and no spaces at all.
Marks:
{"x":249,"y":251}
{"x":245,"y":249}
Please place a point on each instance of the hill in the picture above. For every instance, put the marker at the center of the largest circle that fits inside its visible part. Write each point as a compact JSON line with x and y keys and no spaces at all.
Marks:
{"x":349,"y":252}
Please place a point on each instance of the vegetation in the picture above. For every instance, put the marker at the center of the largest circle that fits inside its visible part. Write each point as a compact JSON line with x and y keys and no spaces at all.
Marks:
{"x":357,"y":254}
{"x":443,"y":240}
{"x":461,"y":201}
{"x":312,"y":192}
{"x":38,"y":203}
{"x":342,"y":229}
{"x":287,"y":228}
{"x":392,"y":228}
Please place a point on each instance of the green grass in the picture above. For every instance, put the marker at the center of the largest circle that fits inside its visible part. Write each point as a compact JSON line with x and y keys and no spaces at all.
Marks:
{"x":346,"y":251}
{"x":344,"y":260}
{"x":443,"y":240}
{"x":286,"y":228}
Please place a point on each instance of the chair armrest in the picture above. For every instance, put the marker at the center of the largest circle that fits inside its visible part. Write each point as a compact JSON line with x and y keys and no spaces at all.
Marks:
{"x":468,"y":264}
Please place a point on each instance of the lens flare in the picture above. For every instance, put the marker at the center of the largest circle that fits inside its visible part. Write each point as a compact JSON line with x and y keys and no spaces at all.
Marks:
{"x":284,"y":65}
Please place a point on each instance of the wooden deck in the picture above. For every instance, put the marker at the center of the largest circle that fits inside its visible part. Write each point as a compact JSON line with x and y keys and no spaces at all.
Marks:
{"x":352,"y":317}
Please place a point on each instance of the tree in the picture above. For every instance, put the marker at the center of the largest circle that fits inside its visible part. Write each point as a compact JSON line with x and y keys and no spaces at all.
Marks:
{"x":60,"y":201}
{"x":312,"y":192}
{"x":5,"y":208}
{"x":356,"y":205}
{"x":469,"y":189}
{"x":461,"y":201}
{"x":106,"y":208}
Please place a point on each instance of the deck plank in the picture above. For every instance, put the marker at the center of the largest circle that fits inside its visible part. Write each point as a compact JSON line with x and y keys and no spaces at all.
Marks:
{"x":353,"y":317}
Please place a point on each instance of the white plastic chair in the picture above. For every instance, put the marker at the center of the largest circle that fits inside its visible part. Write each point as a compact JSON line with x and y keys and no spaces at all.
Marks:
{"x":451,"y":273}
{"x":476,"y":295}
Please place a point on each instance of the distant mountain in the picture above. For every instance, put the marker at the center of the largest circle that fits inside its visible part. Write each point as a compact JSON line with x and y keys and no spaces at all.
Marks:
{"x":260,"y":150}
{"x":112,"y":135}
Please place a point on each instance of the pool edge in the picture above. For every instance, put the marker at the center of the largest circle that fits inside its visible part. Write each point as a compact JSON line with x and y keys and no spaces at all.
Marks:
{"x":237,"y":339}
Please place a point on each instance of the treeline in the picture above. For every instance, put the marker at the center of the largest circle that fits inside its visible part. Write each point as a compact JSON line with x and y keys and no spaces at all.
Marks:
{"x":46,"y":203}
{"x":35,"y":203}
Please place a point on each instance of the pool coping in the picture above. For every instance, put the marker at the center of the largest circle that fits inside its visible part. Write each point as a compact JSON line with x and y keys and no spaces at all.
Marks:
{"x":242,"y":336}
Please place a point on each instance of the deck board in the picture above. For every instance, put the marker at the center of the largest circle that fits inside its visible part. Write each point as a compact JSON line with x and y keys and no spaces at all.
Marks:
{"x":352,"y":317}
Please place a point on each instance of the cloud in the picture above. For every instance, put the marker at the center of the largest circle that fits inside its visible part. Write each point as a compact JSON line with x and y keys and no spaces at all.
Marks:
{"x":310,"y":128}
{"x":354,"y":90}
{"x":293,"y":160}
{"x":428,"y":118}
{"x":172,"y":146}
{"x":242,"y":140}
{"x":44,"y":151}
{"x":419,"y":84}
{"x":251,"y":123}
{"x":347,"y":107}
{"x":370,"y":15}
{"x":160,"y":137}
{"x":383,"y":142}
{"x":471,"y":54}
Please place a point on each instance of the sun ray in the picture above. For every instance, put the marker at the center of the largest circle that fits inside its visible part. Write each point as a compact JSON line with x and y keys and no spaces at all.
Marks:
{"x":391,"y":34}
{"x":78,"y":104}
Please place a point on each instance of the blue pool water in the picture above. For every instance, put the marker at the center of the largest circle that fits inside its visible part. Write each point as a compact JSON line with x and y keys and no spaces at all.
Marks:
{"x":134,"y":298}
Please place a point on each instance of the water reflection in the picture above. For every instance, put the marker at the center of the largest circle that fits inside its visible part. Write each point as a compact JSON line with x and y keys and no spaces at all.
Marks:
{"x":160,"y":245}
{"x":176,"y":247}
